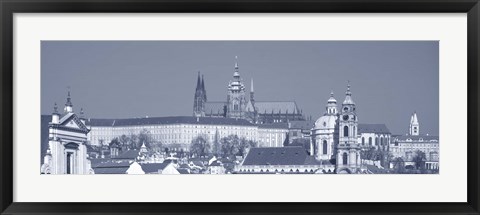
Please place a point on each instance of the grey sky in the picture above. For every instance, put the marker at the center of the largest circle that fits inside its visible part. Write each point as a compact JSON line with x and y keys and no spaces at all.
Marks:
{"x":120,"y":79}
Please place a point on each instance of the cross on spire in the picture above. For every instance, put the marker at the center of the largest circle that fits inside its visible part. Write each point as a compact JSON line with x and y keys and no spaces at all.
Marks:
{"x":55,"y":108}
{"x":69,"y":100}
{"x":348,"y":93}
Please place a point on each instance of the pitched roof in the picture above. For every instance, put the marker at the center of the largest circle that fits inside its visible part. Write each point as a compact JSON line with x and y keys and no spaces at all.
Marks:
{"x":154,"y":167}
{"x":183,"y":171}
{"x":168,"y":121}
{"x":110,"y":167}
{"x":101,"y":122}
{"x":290,"y":155}
{"x":97,"y":161}
{"x":216,"y":163}
{"x":304,"y":125}
{"x":276,"y":106}
{"x":113,"y":170}
{"x":283,"y":125}
{"x":129,"y":154}
{"x":373,"y":128}
{"x":111,"y":164}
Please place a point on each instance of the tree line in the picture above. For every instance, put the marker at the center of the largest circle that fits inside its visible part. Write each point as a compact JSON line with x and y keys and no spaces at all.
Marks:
{"x":225,"y":147}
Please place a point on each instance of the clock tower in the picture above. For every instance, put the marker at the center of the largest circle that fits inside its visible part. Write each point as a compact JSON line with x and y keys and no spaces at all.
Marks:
{"x":348,"y":149}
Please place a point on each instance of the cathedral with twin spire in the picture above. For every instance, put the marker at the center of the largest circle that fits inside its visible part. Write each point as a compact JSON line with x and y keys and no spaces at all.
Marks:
{"x":239,"y":106}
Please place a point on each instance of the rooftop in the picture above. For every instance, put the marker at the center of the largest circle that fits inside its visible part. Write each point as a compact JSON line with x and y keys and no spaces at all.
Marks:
{"x":373,"y":128}
{"x":130,"y":154}
{"x":290,"y":155}
{"x":280,"y":125}
{"x":154,"y":167}
{"x":168,"y":120}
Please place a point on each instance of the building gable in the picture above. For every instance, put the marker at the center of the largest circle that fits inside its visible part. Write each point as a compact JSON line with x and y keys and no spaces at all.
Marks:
{"x":72,"y":121}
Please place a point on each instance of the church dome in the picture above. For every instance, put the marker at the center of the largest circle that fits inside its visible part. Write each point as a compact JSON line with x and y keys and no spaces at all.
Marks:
{"x":326,"y":122}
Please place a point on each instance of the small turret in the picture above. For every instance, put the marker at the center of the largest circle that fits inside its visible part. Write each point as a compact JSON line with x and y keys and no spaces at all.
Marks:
{"x":68,"y":105}
{"x":331,"y":105}
{"x":82,"y":116}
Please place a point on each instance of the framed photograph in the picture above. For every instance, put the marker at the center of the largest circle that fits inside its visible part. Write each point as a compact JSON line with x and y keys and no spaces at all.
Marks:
{"x":239,"y":107}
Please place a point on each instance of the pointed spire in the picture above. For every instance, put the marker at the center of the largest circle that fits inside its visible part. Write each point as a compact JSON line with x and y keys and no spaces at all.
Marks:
{"x":236,"y":74}
{"x":69,"y":100}
{"x":198,"y":81}
{"x":348,"y":97}
{"x":55,"y":108}
{"x":348,"y":93}
{"x":203,"y":89}
{"x":414,"y":118}
{"x":251,"y":85}
{"x":236,"y":62}
{"x":81,"y":112}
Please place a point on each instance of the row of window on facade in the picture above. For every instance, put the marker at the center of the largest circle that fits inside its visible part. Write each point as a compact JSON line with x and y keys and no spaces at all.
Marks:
{"x":370,"y":143}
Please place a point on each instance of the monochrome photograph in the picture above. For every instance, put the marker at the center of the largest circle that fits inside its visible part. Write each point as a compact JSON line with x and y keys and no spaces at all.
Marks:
{"x":239,"y":107}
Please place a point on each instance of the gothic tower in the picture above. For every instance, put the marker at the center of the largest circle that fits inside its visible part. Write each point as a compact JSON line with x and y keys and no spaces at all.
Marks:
{"x":236,"y":101}
{"x":348,"y":149}
{"x":414,"y":125}
{"x":200,"y":98}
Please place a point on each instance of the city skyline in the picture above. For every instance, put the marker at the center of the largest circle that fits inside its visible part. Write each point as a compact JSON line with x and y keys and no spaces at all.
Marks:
{"x":161,"y":76}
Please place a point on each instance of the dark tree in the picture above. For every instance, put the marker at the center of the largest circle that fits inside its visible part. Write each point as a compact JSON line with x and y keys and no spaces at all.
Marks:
{"x":398,"y":165}
{"x":200,"y":146}
{"x":217,"y":148}
{"x":419,"y":158}
{"x":234,"y":146}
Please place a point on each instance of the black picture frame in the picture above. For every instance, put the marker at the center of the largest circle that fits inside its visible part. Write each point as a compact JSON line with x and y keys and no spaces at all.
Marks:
{"x":9,"y":7}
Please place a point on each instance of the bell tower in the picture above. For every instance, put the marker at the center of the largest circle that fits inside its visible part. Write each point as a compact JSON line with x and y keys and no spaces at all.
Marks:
{"x":414,"y":125}
{"x":348,"y":149}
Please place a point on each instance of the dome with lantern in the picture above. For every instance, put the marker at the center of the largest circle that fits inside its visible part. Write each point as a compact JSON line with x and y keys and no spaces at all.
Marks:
{"x":329,"y":119}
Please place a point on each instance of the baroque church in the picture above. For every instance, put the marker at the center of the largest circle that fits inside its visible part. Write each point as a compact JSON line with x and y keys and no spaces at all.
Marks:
{"x":335,"y":135}
{"x":66,"y":152}
{"x":239,"y":106}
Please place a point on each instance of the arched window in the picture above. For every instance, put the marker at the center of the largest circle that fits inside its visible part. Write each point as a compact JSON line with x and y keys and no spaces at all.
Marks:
{"x":363,"y":140}
{"x":381,"y":141}
{"x":345,"y":131}
{"x":376,"y":141}
{"x":324,"y":148}
{"x":235,"y":107}
{"x":344,"y":158}
{"x":370,"y":141}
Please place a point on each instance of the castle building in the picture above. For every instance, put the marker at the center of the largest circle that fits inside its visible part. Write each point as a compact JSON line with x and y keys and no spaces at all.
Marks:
{"x":66,"y":152}
{"x":181,"y":130}
{"x":237,"y":105}
{"x":406,"y":146}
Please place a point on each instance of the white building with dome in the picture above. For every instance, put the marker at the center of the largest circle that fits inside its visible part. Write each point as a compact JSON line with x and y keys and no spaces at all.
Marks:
{"x":335,"y":135}
{"x":325,"y":132}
